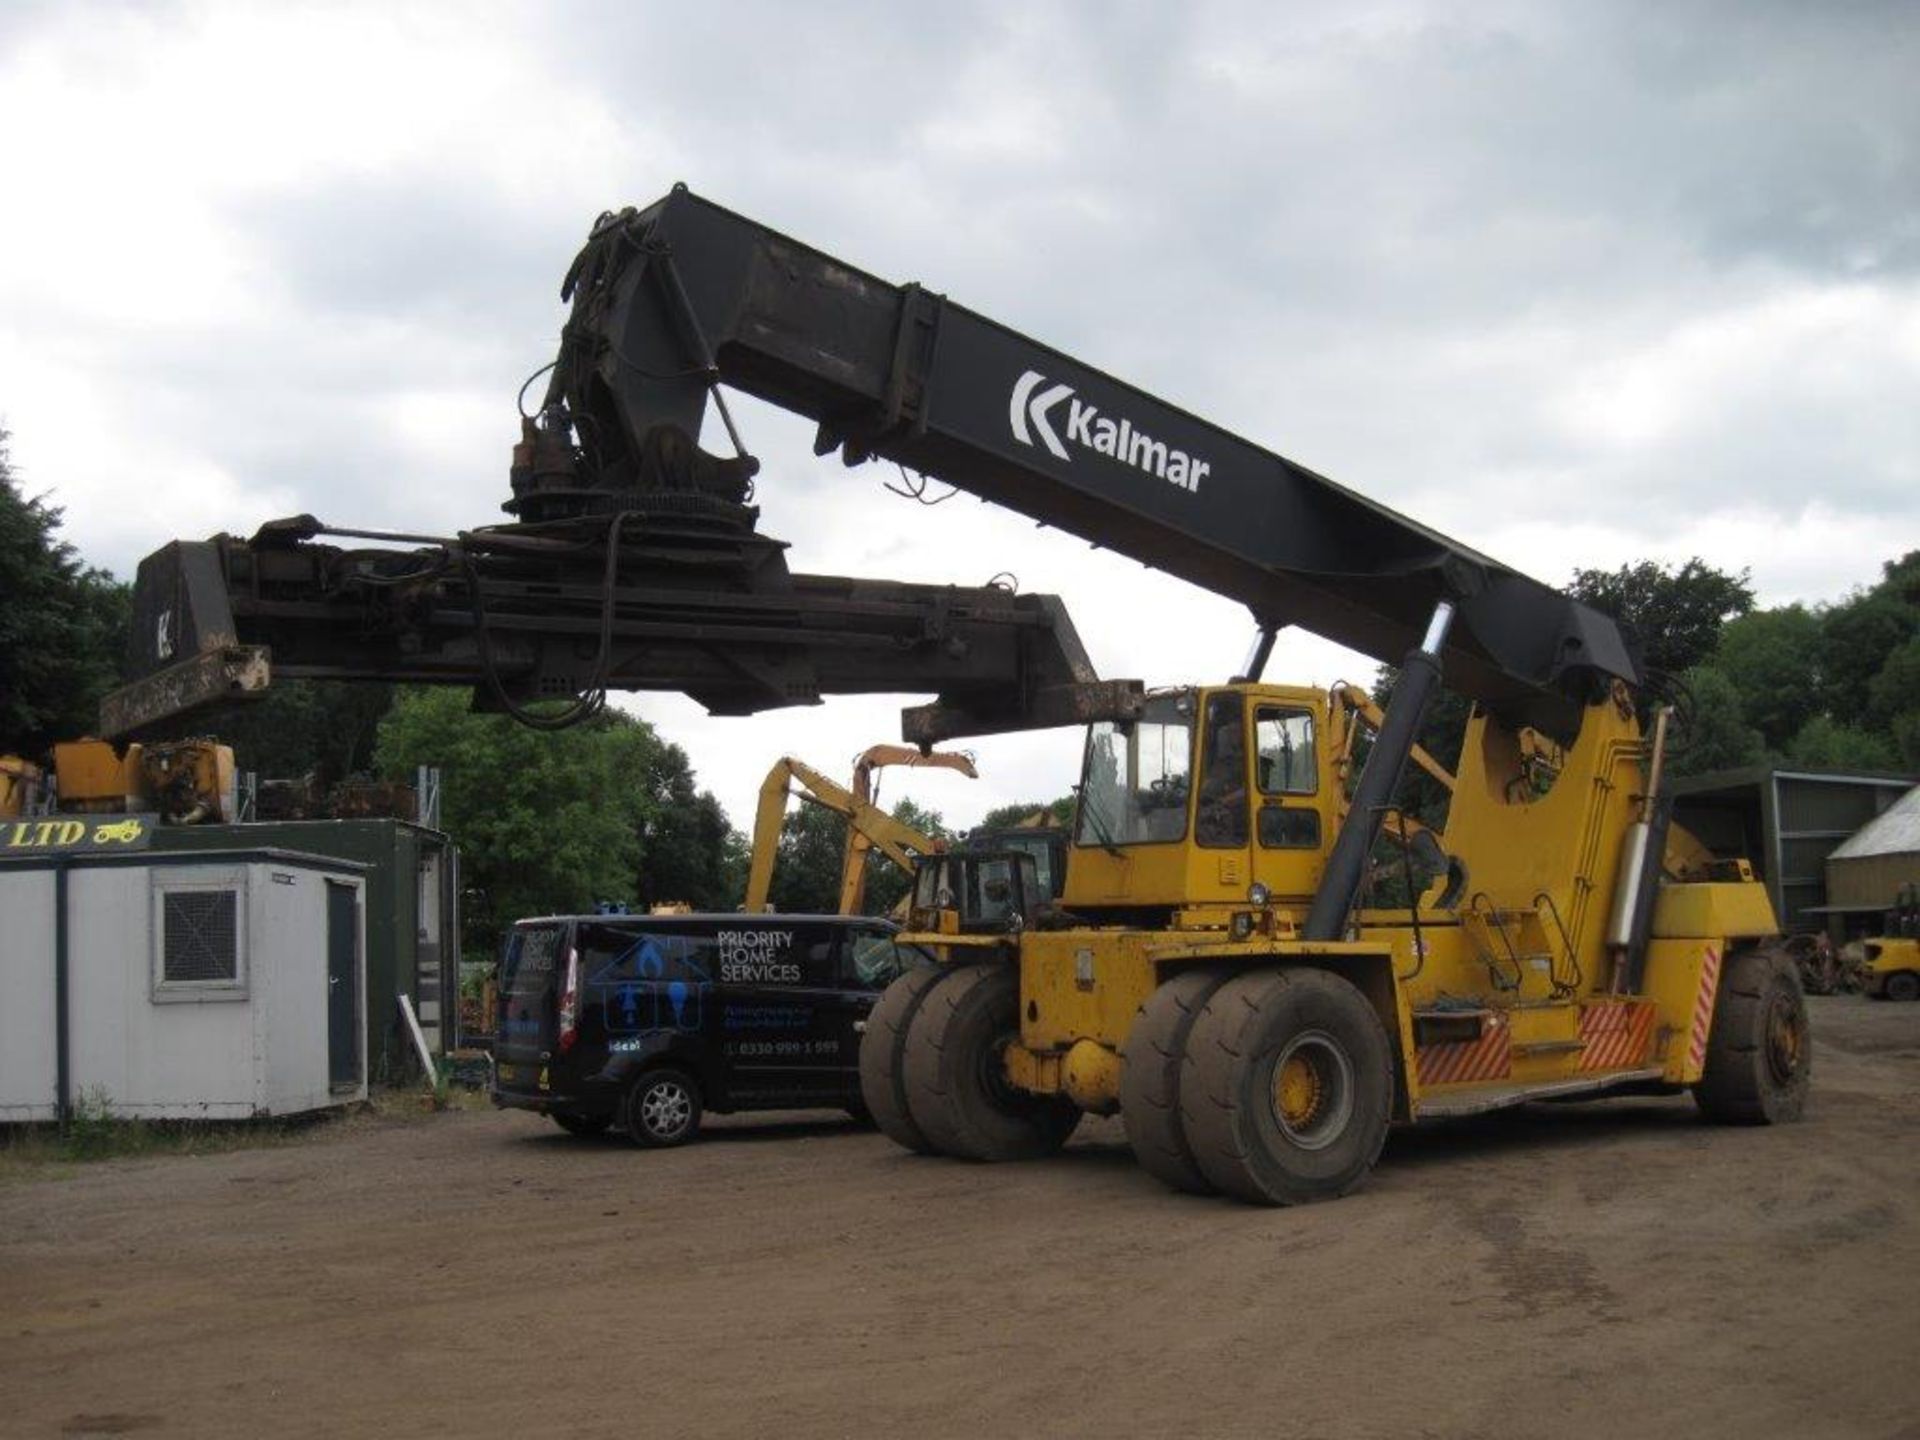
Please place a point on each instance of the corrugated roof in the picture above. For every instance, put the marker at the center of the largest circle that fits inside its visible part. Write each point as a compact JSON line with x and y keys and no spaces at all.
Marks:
{"x":1893,"y":833}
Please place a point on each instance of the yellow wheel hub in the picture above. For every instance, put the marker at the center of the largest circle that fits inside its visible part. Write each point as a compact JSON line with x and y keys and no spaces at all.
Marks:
{"x":1297,"y":1091}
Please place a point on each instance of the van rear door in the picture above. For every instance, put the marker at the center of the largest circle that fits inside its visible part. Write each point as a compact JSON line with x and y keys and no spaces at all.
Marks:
{"x":529,"y":1002}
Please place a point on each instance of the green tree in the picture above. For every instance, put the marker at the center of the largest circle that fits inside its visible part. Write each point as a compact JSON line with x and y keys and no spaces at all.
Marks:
{"x":547,"y":822}
{"x":63,"y":628}
{"x":1675,"y":614}
{"x":1824,"y":741}
{"x":1717,"y":736}
{"x":324,"y":728}
{"x":1773,"y":658}
{"x":1857,"y":637}
{"x":688,"y":851}
{"x":1893,"y":703}
{"x":806,"y":867}
{"x":1005,"y":817}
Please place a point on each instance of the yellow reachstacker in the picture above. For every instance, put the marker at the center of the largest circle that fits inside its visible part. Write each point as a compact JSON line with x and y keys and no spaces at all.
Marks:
{"x":1215,"y":969}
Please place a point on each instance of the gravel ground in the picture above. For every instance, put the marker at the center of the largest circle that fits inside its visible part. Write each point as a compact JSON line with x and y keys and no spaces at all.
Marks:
{"x":1611,"y":1269}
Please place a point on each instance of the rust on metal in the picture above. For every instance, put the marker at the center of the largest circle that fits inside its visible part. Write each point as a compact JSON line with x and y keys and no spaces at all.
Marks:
{"x":213,"y":677}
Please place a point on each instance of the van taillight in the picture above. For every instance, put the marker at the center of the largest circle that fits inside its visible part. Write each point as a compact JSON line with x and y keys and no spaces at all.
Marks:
{"x":570,"y":1002}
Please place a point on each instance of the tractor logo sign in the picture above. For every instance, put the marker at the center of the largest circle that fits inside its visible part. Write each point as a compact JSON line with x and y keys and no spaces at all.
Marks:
{"x":1034,"y":407}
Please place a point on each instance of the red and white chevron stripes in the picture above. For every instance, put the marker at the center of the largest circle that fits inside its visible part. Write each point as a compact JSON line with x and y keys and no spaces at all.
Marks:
{"x":1488,"y":1058}
{"x":1615,"y":1034}
{"x":1703,"y":1011}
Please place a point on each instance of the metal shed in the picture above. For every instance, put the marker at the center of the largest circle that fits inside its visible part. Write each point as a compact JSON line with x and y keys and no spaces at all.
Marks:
{"x":413,"y":918}
{"x":1786,"y":821}
{"x":226,"y":984}
{"x":1867,"y":870}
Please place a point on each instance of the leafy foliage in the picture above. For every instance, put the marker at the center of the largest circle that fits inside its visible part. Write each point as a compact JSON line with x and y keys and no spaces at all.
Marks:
{"x":1675,"y":615}
{"x":62,"y":629}
{"x":323,"y":728}
{"x":1719,"y":737}
{"x":1005,"y":817}
{"x":551,"y":822}
{"x":1773,"y":659}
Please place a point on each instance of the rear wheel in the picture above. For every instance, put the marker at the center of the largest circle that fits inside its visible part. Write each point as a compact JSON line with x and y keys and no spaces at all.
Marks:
{"x":1903,"y":985}
{"x":1150,"y":1079}
{"x":663,"y":1108}
{"x":1287,"y":1087}
{"x":957,"y":1088}
{"x":583,"y":1124}
{"x":1760,"y":1049}
{"x":883,"y":1057}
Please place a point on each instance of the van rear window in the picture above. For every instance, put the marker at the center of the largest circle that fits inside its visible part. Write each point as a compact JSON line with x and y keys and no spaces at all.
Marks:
{"x":532,"y":952}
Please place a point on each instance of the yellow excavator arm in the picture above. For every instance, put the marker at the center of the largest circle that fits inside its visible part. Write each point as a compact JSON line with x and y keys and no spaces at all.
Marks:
{"x":868,"y":826}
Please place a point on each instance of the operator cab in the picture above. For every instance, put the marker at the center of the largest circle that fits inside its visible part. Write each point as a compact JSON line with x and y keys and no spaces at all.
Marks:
{"x":1208,"y":792}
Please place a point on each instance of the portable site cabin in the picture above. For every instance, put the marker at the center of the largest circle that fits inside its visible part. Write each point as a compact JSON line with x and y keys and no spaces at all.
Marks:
{"x":412,"y":876}
{"x":217,"y":985}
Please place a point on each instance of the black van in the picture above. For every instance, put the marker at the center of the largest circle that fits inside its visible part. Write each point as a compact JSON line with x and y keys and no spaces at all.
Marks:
{"x":647,"y":1021}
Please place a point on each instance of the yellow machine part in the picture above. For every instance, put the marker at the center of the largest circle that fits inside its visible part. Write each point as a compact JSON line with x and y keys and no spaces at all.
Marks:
{"x":20,"y":782}
{"x":190,"y":782}
{"x":1891,"y":955}
{"x":1515,"y":990}
{"x":93,"y":778}
{"x":868,"y":826}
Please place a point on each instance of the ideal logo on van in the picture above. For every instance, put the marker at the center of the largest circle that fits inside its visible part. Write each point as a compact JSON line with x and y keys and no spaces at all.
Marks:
{"x":1031,"y":411}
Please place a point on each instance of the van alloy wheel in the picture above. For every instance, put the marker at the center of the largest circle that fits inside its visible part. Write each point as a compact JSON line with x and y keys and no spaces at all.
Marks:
{"x":663,"y":1108}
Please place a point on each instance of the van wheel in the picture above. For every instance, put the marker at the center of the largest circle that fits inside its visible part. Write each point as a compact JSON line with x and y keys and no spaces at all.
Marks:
{"x":1287,"y":1087}
{"x":583,"y":1124}
{"x":663,"y":1108}
{"x":957,"y":1090}
{"x":1902,"y":985}
{"x":1760,"y":1049}
{"x":1152,"y":1060}
{"x":883,"y":1057}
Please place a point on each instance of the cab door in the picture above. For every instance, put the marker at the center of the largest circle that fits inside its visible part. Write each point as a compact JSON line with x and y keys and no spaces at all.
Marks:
{"x":1291,"y":796}
{"x":1221,"y":831}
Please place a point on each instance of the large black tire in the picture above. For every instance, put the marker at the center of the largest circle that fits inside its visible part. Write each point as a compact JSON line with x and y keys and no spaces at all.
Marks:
{"x":956,"y":1088}
{"x":1287,"y":1087}
{"x":1902,"y":985}
{"x":883,"y":1057}
{"x":662,"y":1108}
{"x":1151,"y":1062}
{"x":583,"y":1124}
{"x":1760,"y":1049}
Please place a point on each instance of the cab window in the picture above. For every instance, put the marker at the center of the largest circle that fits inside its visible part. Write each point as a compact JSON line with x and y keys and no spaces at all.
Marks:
{"x":1221,"y":817}
{"x":1286,"y":761}
{"x":1134,"y":784}
{"x":873,"y":961}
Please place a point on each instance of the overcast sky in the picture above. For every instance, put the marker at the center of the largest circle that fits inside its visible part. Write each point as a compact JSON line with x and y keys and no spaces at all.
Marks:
{"x":1578,"y":284}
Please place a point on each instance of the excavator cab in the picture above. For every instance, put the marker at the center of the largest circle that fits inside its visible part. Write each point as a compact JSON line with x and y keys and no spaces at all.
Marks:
{"x":976,"y":892}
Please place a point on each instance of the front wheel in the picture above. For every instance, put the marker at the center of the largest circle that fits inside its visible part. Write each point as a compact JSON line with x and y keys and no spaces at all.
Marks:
{"x":1287,"y":1087}
{"x":663,"y":1109}
{"x":957,"y":1088}
{"x":1760,"y":1049}
{"x":1902,"y":985}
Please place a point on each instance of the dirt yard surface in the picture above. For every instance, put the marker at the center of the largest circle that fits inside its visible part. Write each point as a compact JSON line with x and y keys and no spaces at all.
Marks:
{"x":1616,"y":1269}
